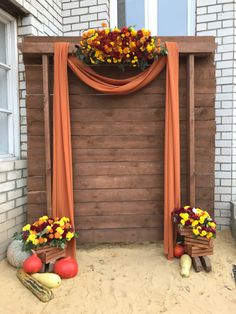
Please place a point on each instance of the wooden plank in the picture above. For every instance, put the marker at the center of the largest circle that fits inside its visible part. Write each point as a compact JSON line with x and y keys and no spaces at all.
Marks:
{"x":194,"y":45}
{"x":197,"y":242}
{"x":118,"y":195}
{"x":35,"y":101}
{"x":120,"y":221}
{"x":120,"y":235}
{"x":47,"y":134}
{"x":105,"y":208}
{"x":197,"y":265}
{"x":206,"y":263}
{"x":191,"y":126}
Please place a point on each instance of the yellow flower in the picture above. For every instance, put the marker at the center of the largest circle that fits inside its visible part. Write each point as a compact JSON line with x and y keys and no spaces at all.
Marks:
{"x":203,"y":233}
{"x":26,"y":227}
{"x":186,"y":207}
{"x":60,"y":230}
{"x":209,"y":235}
{"x":185,"y":216}
{"x":91,"y":32}
{"x":182,"y":221}
{"x":31,"y":238}
{"x":35,"y":241}
{"x":49,"y":228}
{"x":61,"y":223}
{"x":43,"y":218}
{"x":92,"y":61}
{"x":212,"y":224}
{"x":202,"y":219}
{"x":194,"y":223}
{"x":195,"y":231}
{"x":69,"y":235}
{"x":150,"y":48}
{"x":133,"y":32}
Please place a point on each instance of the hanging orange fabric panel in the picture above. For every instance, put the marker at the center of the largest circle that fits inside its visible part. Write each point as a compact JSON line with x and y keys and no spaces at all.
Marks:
{"x":62,"y":167}
{"x":62,"y":185}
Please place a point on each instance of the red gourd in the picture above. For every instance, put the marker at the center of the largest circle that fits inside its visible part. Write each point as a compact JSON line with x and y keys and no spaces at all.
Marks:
{"x":66,"y":267}
{"x":32,"y":264}
{"x":178,"y":250}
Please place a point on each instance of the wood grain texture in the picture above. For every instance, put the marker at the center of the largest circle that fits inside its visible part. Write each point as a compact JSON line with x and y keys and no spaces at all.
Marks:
{"x":118,"y":151}
{"x":47,"y":142}
{"x":191,"y":44}
{"x":191,"y":128}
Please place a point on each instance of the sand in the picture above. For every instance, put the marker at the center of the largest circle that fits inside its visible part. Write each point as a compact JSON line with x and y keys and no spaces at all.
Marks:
{"x":127,"y":279}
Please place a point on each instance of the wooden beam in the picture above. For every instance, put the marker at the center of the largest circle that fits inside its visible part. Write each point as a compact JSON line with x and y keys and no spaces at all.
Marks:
{"x":45,"y":62}
{"x":186,"y":45}
{"x":191,"y":129}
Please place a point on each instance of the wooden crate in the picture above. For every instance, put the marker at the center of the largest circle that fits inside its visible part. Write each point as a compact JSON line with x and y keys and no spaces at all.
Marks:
{"x":195,"y":246}
{"x":185,"y":231}
{"x":49,"y":254}
{"x":199,"y":242}
{"x":196,"y":251}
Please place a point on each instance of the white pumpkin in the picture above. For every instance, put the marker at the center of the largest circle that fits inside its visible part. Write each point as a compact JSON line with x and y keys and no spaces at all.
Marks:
{"x":15,"y":254}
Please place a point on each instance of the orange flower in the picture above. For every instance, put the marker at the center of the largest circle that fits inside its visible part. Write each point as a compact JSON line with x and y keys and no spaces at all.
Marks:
{"x":126,"y":50}
{"x":104,"y":24}
{"x":41,"y":240}
{"x":57,"y":235}
{"x":51,"y":236}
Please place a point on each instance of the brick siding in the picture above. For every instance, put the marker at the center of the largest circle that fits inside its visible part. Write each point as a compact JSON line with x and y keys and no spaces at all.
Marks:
{"x":217,"y":18}
{"x":46,"y":18}
{"x":12,"y":200}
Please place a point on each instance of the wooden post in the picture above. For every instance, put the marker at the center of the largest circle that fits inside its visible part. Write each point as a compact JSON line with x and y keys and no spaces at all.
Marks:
{"x":45,"y":61}
{"x":191,"y":129}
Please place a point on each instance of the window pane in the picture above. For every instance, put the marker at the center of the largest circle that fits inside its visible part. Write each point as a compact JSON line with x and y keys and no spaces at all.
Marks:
{"x":3,"y":133}
{"x":172,"y":18}
{"x":2,"y":43}
{"x":3,"y":88}
{"x":131,"y":13}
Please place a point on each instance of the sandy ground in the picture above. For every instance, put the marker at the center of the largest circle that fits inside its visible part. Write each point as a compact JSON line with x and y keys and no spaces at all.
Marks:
{"x":131,"y":279}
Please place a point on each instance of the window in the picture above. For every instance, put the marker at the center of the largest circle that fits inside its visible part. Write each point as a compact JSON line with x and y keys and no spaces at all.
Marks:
{"x":9,"y":128}
{"x":162,"y":17}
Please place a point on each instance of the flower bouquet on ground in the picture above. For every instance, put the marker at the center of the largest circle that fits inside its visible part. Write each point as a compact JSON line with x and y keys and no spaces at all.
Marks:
{"x":196,"y":220}
{"x":123,"y":47}
{"x":46,"y":231}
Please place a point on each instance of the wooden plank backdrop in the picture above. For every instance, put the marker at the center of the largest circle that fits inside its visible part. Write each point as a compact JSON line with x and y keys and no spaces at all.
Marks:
{"x":118,"y":149}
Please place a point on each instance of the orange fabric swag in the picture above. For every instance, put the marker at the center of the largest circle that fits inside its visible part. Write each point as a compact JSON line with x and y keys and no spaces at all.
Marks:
{"x":62,"y":158}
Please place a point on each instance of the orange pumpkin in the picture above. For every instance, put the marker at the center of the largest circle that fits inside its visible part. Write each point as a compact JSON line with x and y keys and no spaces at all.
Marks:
{"x":178,"y":250}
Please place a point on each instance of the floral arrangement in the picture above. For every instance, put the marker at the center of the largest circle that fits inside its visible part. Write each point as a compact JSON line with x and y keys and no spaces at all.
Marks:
{"x":125,"y":47}
{"x":46,"y":231}
{"x":196,"y":218}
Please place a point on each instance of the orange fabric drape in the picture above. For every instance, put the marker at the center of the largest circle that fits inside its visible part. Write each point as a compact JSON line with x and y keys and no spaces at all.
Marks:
{"x":62,"y":181}
{"x":116,"y":87}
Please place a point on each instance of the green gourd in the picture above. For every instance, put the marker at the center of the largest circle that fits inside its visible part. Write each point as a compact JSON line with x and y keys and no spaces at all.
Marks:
{"x":43,"y":293}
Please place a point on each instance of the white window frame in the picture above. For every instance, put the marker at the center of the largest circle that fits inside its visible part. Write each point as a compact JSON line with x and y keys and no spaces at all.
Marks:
{"x":151,"y":16}
{"x":11,"y":66}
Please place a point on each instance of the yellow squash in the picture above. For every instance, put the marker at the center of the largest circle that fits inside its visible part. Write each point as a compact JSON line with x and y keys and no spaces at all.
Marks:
{"x":49,"y":280}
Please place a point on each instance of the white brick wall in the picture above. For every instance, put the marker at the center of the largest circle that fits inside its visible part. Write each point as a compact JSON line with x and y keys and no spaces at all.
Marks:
{"x":46,"y":18}
{"x":12,"y":200}
{"x":216,"y":17}
{"x":81,"y":15}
